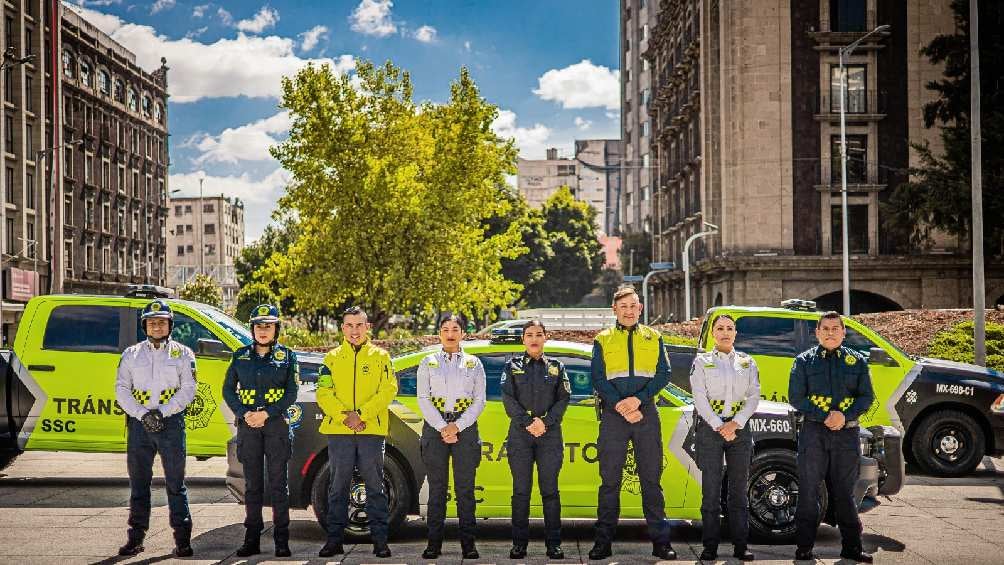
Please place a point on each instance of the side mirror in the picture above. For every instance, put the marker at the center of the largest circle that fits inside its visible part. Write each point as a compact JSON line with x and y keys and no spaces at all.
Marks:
{"x":212,"y":348}
{"x":879,"y":356}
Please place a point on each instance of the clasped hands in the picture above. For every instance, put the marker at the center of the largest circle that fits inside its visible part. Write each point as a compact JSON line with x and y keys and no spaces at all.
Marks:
{"x":353,"y":421}
{"x":255,"y":418}
{"x":835,"y":421}
{"x":629,"y":409}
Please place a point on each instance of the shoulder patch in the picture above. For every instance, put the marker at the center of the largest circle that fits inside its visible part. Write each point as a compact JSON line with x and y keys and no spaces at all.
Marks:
{"x":553,"y":370}
{"x":850,"y":359}
{"x":175,"y":352}
{"x":470,"y":362}
{"x":432,"y":361}
{"x":279,"y":355}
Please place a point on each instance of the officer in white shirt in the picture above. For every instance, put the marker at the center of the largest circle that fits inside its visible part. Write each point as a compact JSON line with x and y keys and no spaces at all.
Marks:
{"x":726,"y":389}
{"x":154,"y":385}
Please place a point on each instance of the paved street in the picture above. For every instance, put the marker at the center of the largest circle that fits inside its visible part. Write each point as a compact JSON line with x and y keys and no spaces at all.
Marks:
{"x":71,"y":508}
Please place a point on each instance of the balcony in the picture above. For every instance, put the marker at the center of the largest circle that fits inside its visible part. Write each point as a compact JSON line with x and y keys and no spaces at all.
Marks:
{"x":862,"y":176}
{"x":862,"y":106}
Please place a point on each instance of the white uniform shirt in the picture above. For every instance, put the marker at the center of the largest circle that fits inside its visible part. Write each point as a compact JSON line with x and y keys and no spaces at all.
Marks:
{"x":149,"y":378}
{"x":725,"y":379}
{"x":451,"y":382}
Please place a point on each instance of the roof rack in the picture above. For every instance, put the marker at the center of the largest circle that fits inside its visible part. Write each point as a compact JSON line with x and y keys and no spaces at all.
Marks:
{"x":149,"y":291}
{"x":798,"y":304}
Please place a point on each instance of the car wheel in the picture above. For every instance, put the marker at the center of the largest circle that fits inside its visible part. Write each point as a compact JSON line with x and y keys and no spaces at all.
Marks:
{"x":396,"y":487}
{"x":773,"y":495}
{"x":948,"y":443}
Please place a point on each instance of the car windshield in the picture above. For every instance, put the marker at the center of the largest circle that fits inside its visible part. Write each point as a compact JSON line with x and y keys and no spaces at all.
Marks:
{"x":233,"y":327}
{"x":684,"y":396}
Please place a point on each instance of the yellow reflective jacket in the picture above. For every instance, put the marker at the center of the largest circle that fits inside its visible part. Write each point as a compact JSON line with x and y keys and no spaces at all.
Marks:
{"x":362,"y":380}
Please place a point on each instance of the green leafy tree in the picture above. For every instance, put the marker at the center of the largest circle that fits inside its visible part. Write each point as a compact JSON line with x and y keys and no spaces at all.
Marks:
{"x":252,"y":294}
{"x":391,"y":198}
{"x":939,"y":194}
{"x":202,"y":288}
{"x":577,"y":254}
{"x":528,"y":268}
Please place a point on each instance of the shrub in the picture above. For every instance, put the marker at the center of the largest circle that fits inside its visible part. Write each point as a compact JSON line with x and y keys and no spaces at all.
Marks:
{"x":957,"y":344}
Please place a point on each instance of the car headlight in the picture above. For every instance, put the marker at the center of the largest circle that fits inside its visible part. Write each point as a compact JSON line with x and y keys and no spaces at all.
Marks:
{"x":998,"y":405}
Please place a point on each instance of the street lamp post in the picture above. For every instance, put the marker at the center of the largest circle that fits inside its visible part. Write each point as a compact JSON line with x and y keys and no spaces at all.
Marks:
{"x":655,"y":269}
{"x":55,"y":228}
{"x":842,"y":55}
{"x":202,"y":226}
{"x":712,"y":229}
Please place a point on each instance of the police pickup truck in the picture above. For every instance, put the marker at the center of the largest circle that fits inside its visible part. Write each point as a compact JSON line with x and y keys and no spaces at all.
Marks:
{"x":950,"y":414}
{"x":773,"y":488}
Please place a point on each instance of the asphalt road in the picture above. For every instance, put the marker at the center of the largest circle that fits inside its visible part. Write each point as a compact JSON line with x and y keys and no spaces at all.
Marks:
{"x":71,"y":508}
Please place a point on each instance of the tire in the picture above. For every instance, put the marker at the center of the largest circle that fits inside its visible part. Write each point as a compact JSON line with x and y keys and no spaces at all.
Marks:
{"x":773,"y":496}
{"x":7,"y":456}
{"x":948,"y":443}
{"x":395,"y":484}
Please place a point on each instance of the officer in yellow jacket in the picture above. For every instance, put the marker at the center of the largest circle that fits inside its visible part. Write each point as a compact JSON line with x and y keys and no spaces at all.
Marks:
{"x":355,"y":386}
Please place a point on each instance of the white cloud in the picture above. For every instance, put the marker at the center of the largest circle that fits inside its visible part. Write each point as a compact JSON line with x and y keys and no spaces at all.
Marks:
{"x":582,"y":85}
{"x":312,"y":37}
{"x":372,"y":17}
{"x":467,"y":45}
{"x":99,"y":2}
{"x":531,"y":141}
{"x":265,"y":18}
{"x":225,"y":16}
{"x":200,"y":10}
{"x":246,"y":65}
{"x":249,"y":142}
{"x":426,"y":34}
{"x":196,"y":32}
{"x":582,"y":124}
{"x":161,"y":5}
{"x":613,"y":115}
{"x":259,"y":194}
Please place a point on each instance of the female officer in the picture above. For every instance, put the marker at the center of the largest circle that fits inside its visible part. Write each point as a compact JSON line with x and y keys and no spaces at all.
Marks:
{"x":726,"y":391}
{"x":451,"y":394}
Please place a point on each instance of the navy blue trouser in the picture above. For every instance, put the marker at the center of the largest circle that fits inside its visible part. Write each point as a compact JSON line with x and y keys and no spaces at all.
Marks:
{"x":646,"y":439}
{"x":547,"y":451}
{"x":466,"y":456}
{"x":141,"y":447}
{"x":346,"y":454}
{"x":834,"y":457}
{"x":711,"y":450}
{"x":261,"y":450}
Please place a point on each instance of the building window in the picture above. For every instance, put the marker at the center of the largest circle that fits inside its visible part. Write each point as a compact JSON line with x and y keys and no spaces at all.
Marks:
{"x":29,"y":101}
{"x":132,"y":106}
{"x":122,"y":261}
{"x":106,"y":259}
{"x":147,"y":108}
{"x":121,"y":180}
{"x":189,"y":249}
{"x":68,"y":66}
{"x":210,"y":229}
{"x":106,"y":217}
{"x":105,"y":174}
{"x":121,"y":221}
{"x":68,"y":209}
{"x":9,"y":185}
{"x":29,"y":186}
{"x":29,"y":145}
{"x":857,"y":228}
{"x":857,"y":159}
{"x":188,"y":209}
{"x":177,"y":210}
{"x":158,"y":113}
{"x":29,"y":41}
{"x":188,"y":228}
{"x":119,"y":91}
{"x":8,"y":133}
{"x":645,"y":193}
{"x":85,"y":74}
{"x":89,"y":213}
{"x":68,"y":257}
{"x":89,"y":257}
{"x":645,"y":128}
{"x":10,"y":237}
{"x":135,"y":224}
{"x":211,"y":249}
{"x":68,"y":162}
{"x":847,"y":15}
{"x":88,"y":168}
{"x":181,"y":251}
{"x":566,"y":170}
{"x":856,"y":89}
{"x":208,"y":208}
{"x":104,"y":83}
{"x":29,"y":238}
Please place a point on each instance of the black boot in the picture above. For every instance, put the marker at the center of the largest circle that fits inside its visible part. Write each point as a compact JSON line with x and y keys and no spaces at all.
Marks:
{"x":282,"y":548}
{"x":331,"y":548}
{"x":710,"y":553}
{"x":183,"y":542}
{"x":804,"y":554}
{"x":742,"y":553}
{"x":468,"y":550}
{"x":134,"y":546}
{"x":433,"y":550}
{"x":554,"y":551}
{"x":252,"y":544}
{"x":600,"y":550}
{"x":381,"y":550}
{"x":518,"y":551}
{"x":663,"y":551}
{"x":856,"y":555}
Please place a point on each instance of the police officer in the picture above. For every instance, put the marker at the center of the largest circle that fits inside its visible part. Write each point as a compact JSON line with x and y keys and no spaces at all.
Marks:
{"x":629,"y":368}
{"x":535,"y":393}
{"x":355,"y":386}
{"x":451,"y":395}
{"x":260,"y":385}
{"x":831,"y":387}
{"x":726,"y":390}
{"x":154,"y":385}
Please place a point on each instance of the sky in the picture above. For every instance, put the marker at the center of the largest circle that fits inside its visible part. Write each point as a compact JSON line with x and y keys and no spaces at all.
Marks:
{"x":550,"y":66}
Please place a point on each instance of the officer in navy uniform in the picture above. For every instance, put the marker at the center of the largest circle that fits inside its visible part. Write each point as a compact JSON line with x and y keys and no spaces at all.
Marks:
{"x":535,"y":393}
{"x":831,"y":386}
{"x":726,"y":387}
{"x":451,"y":394}
{"x":261,"y":384}
{"x":154,"y":385}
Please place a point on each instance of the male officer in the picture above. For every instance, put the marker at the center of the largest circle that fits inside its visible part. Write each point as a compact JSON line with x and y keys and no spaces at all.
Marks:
{"x":535,"y":393}
{"x":154,"y":385}
{"x":629,"y":368}
{"x":260,"y":385}
{"x":831,"y":387}
{"x":355,"y":387}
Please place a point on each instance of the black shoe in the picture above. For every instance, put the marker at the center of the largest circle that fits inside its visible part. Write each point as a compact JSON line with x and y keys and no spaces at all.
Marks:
{"x":132,"y":547}
{"x":743,"y":554}
{"x":469,"y":551}
{"x":250,"y":547}
{"x":380,"y":549}
{"x":183,"y":551}
{"x":282,"y":549}
{"x":432,"y":551}
{"x":859,"y":556}
{"x":600,"y":550}
{"x":804,"y":555}
{"x":331,"y":548}
{"x":663,"y":551}
{"x":518,"y":551}
{"x":555,"y":552}
{"x":709,"y":554}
